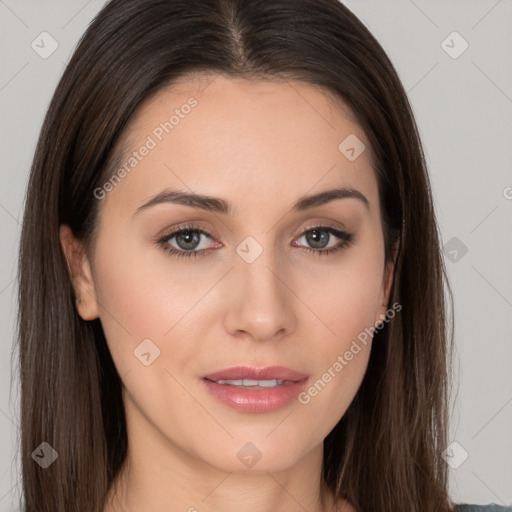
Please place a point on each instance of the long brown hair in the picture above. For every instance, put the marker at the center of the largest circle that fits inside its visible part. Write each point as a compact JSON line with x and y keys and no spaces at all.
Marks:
{"x":385,"y":453}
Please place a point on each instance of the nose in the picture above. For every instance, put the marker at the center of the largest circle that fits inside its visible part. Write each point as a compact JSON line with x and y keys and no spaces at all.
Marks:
{"x":260,"y":304}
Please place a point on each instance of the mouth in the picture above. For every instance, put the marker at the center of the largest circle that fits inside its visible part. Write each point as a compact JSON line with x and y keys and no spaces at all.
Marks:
{"x":249,"y":389}
{"x":253,"y":384}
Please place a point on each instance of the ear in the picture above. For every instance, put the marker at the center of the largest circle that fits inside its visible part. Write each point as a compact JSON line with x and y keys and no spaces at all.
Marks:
{"x":80,"y":273}
{"x":387,"y":282}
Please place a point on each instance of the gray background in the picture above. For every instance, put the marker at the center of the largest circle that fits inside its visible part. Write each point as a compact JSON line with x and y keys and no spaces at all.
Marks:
{"x":463,"y":108}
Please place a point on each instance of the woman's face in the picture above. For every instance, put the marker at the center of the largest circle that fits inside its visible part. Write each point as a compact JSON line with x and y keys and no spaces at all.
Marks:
{"x":251,"y":283}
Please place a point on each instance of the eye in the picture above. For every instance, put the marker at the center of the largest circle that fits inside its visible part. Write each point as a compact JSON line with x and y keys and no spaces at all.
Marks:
{"x":319,"y":238}
{"x":188,"y":242}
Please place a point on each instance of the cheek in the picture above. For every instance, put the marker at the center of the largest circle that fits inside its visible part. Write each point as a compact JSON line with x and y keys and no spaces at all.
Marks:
{"x":347,"y":306}
{"x":147,"y":317}
{"x":140,"y":298}
{"x":341,"y":353}
{"x":346,"y":295}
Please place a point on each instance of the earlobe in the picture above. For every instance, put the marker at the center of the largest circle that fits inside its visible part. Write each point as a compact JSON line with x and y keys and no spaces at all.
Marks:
{"x":386,"y":288}
{"x":80,"y":274}
{"x":387,"y":283}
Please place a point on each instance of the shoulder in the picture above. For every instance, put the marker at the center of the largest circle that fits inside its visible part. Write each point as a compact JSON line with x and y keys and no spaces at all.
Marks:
{"x":464,"y":507}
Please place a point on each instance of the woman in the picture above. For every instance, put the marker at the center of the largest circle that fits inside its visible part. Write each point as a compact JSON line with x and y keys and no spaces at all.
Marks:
{"x":300,"y":359}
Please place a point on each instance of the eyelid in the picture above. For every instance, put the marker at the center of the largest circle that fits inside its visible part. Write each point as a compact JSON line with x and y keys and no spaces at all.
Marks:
{"x":172,"y":232}
{"x":324,"y":224}
{"x":187,"y":225}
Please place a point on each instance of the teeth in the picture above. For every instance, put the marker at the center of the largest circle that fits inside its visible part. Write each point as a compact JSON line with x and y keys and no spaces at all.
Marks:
{"x":250,"y":382}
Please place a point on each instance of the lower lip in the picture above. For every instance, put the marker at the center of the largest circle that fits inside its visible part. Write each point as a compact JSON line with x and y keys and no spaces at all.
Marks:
{"x":255,"y":400}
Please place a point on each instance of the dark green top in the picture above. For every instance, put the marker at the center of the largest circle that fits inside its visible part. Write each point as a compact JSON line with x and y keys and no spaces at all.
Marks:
{"x":483,"y":508}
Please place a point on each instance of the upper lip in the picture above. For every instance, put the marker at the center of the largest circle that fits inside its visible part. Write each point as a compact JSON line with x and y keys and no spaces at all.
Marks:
{"x":249,"y":372}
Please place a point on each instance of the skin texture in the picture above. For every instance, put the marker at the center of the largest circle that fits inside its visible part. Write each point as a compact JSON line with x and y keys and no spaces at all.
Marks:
{"x":261,"y":146}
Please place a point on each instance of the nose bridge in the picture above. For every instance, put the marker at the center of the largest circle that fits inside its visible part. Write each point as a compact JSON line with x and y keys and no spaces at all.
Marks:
{"x":260,"y":304}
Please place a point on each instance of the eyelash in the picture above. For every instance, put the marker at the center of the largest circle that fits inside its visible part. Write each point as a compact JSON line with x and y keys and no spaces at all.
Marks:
{"x":346,"y":240}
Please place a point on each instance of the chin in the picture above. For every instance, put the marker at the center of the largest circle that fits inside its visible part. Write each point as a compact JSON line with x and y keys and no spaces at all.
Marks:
{"x":256,"y":454}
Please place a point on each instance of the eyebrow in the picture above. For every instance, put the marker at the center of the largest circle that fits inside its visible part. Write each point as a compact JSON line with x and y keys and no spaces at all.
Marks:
{"x":218,"y":205}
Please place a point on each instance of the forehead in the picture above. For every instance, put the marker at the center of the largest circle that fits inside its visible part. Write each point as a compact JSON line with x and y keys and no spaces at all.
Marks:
{"x":267,"y":106}
{"x":243,"y":138}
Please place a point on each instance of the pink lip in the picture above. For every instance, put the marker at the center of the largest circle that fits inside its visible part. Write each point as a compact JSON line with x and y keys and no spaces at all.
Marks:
{"x":257,"y":399}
